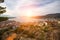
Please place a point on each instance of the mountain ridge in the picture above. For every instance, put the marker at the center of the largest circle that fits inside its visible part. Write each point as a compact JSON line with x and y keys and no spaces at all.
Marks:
{"x":54,"y":15}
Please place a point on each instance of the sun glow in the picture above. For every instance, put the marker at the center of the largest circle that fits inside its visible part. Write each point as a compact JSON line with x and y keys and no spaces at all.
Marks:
{"x":29,"y":13}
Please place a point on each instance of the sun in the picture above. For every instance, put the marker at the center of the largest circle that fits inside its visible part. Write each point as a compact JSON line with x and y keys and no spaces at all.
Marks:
{"x":29,"y":13}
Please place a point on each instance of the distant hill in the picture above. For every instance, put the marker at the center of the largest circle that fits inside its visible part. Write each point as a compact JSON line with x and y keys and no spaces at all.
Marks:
{"x":54,"y":15}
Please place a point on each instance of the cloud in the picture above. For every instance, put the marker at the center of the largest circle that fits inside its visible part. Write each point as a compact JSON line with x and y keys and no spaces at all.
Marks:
{"x":52,"y":7}
{"x":49,"y":9}
{"x":39,"y":7}
{"x":10,"y":3}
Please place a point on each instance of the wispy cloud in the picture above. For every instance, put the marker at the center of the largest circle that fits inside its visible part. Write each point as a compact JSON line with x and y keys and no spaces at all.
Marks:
{"x":39,"y":7}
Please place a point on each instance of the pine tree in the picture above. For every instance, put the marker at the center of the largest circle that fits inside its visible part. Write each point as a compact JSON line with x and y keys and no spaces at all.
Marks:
{"x":2,"y":10}
{"x":1,"y":1}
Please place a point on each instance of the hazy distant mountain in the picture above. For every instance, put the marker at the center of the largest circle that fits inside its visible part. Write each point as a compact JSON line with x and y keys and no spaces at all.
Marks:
{"x":55,"y":15}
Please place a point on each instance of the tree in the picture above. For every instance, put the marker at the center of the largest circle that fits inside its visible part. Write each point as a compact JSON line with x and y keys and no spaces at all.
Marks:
{"x":2,"y":10}
{"x":1,"y":1}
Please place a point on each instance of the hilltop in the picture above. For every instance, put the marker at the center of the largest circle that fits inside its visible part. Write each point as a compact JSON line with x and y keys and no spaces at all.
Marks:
{"x":53,"y":15}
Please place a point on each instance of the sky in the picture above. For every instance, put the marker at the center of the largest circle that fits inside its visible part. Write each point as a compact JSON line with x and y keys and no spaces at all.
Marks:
{"x":31,"y":7}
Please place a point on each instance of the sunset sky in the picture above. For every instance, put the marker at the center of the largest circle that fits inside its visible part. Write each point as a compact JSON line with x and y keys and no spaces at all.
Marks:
{"x":31,"y":7}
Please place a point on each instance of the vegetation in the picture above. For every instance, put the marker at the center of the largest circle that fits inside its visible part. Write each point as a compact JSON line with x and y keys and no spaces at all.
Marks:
{"x":35,"y":31}
{"x":2,"y":10}
{"x":31,"y":31}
